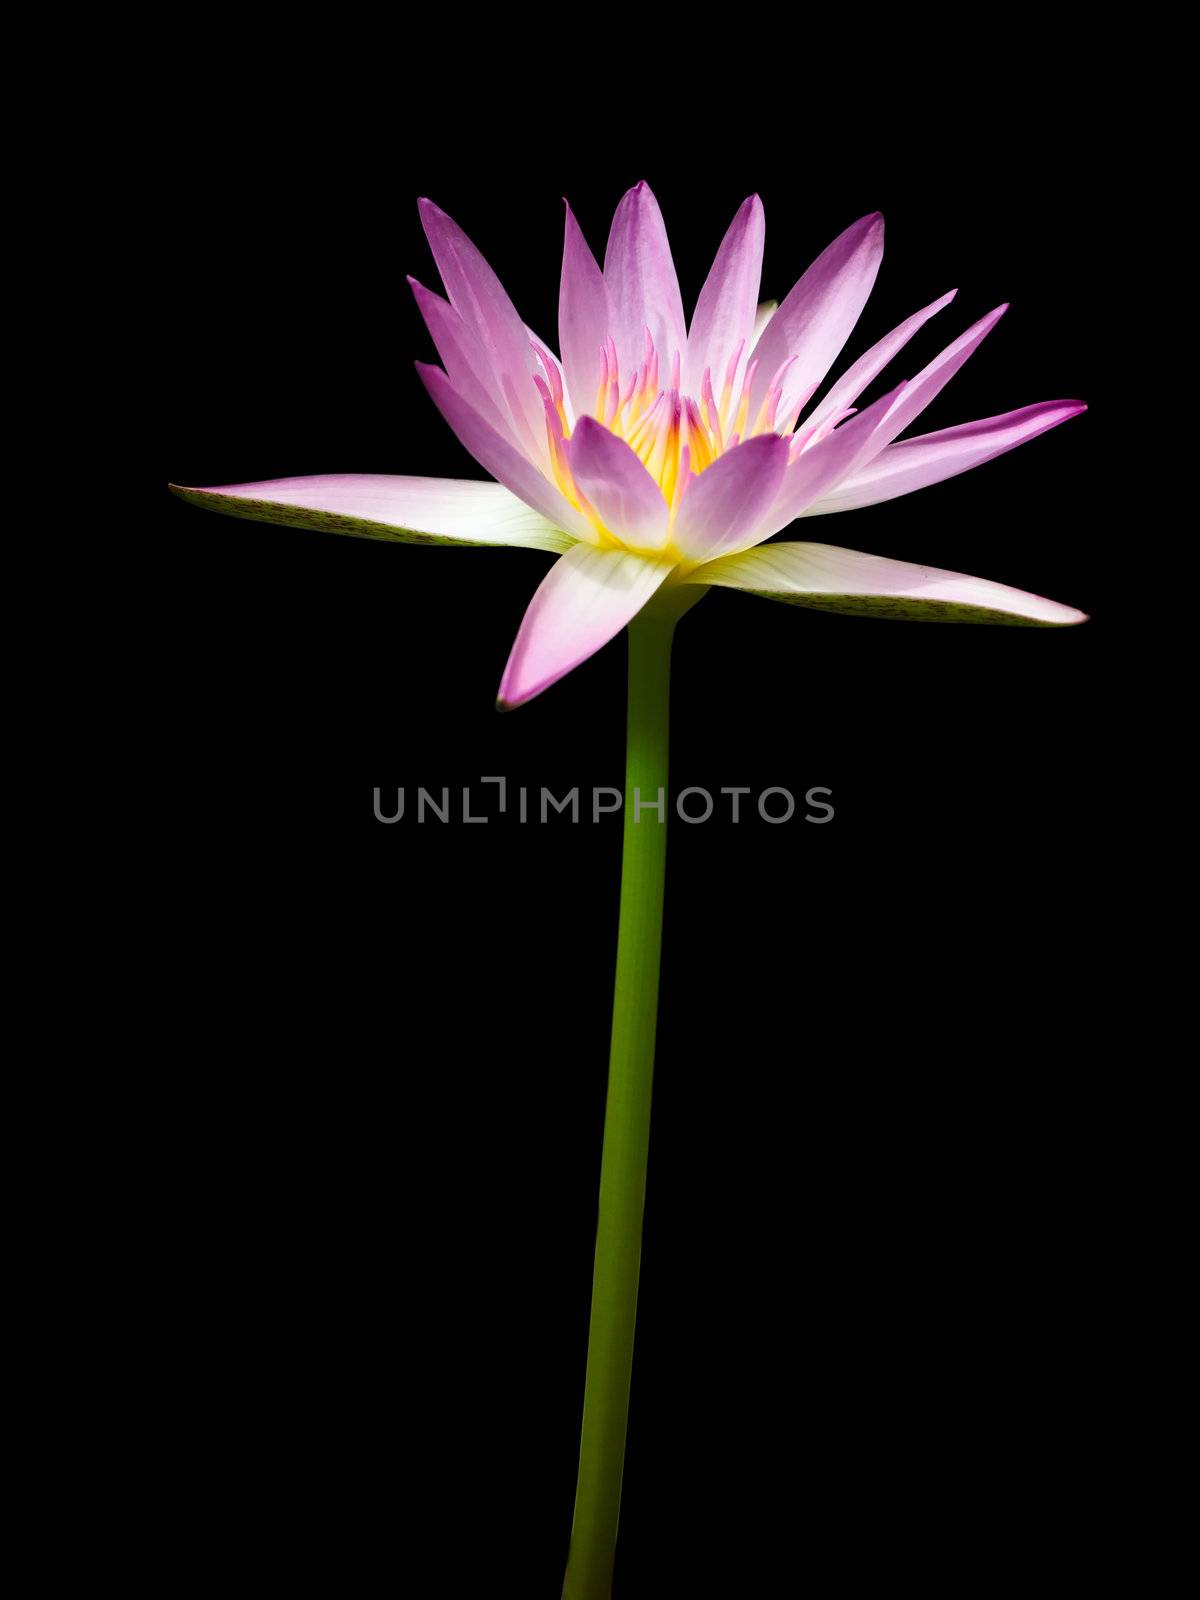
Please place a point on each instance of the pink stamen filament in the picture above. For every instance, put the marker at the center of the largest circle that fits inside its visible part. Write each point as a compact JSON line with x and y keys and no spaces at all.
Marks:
{"x":675,"y":436}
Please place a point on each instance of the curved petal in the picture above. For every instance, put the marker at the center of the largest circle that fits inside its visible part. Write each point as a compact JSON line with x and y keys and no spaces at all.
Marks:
{"x":829,"y":579}
{"x":585,"y":599}
{"x":641,"y":282}
{"x":584,"y":319}
{"x":817,"y":318}
{"x":628,"y":501}
{"x":498,"y":457}
{"x":868,"y":367}
{"x":466,"y":364}
{"x":915,"y":463}
{"x":724,"y":506}
{"x":725,"y":312}
{"x":479,"y":297}
{"x":408,"y":510}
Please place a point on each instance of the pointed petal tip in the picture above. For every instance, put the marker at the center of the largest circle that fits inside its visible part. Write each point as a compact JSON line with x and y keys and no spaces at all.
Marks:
{"x":1068,"y":617}
{"x":989,"y":320}
{"x":864,"y":228}
{"x":208,"y":498}
{"x":513,"y":694}
{"x":640,"y":191}
{"x":984,"y":324}
{"x":430,"y":212}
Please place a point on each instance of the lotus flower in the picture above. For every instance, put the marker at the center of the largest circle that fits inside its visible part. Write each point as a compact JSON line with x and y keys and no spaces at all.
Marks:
{"x":656,"y":460}
{"x":650,"y":453}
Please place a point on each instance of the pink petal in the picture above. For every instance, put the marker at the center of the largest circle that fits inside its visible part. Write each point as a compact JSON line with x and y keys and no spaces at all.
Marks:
{"x":915,"y":463}
{"x":629,"y":502}
{"x":815,"y":471}
{"x":409,"y":510}
{"x":545,"y":356}
{"x":819,"y":315}
{"x":868,"y":367}
{"x":929,"y":383}
{"x":478,"y":296}
{"x":585,"y":599}
{"x":467,"y":365}
{"x":641,"y":282}
{"x":725,"y":505}
{"x":830,"y":579}
{"x":725,"y":311}
{"x":584,"y":319}
{"x":498,"y":457}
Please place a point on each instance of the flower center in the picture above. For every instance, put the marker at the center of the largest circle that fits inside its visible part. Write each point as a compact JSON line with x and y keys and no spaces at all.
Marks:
{"x":675,"y":436}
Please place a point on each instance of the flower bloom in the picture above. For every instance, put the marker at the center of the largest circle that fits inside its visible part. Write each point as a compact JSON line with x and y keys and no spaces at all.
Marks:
{"x":650,"y":452}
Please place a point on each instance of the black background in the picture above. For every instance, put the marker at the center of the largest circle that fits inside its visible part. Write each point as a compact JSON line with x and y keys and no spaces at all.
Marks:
{"x":882,"y":1242}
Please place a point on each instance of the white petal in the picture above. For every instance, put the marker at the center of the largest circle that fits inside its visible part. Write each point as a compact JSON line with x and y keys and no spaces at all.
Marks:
{"x":830,"y":579}
{"x":372,"y":506}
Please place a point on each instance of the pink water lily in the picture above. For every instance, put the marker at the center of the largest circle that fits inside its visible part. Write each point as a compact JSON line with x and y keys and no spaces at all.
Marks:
{"x":656,"y":460}
{"x":650,"y":453}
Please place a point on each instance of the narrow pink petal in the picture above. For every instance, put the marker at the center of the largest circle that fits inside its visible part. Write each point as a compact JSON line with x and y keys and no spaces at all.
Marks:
{"x":915,"y":463}
{"x":725,"y":311}
{"x":724,"y":506}
{"x":501,"y":459}
{"x":467,"y":364}
{"x":830,"y":579}
{"x":815,"y":471}
{"x":629,"y":502}
{"x":819,"y":315}
{"x":928,"y":384}
{"x":584,"y":319}
{"x":408,"y":510}
{"x":868,"y":367}
{"x":641,"y":280}
{"x":585,"y":599}
{"x":547,"y":361}
{"x":479,"y":297}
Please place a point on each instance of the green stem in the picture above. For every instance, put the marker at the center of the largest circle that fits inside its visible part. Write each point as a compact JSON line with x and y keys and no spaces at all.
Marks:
{"x":627,"y":1112}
